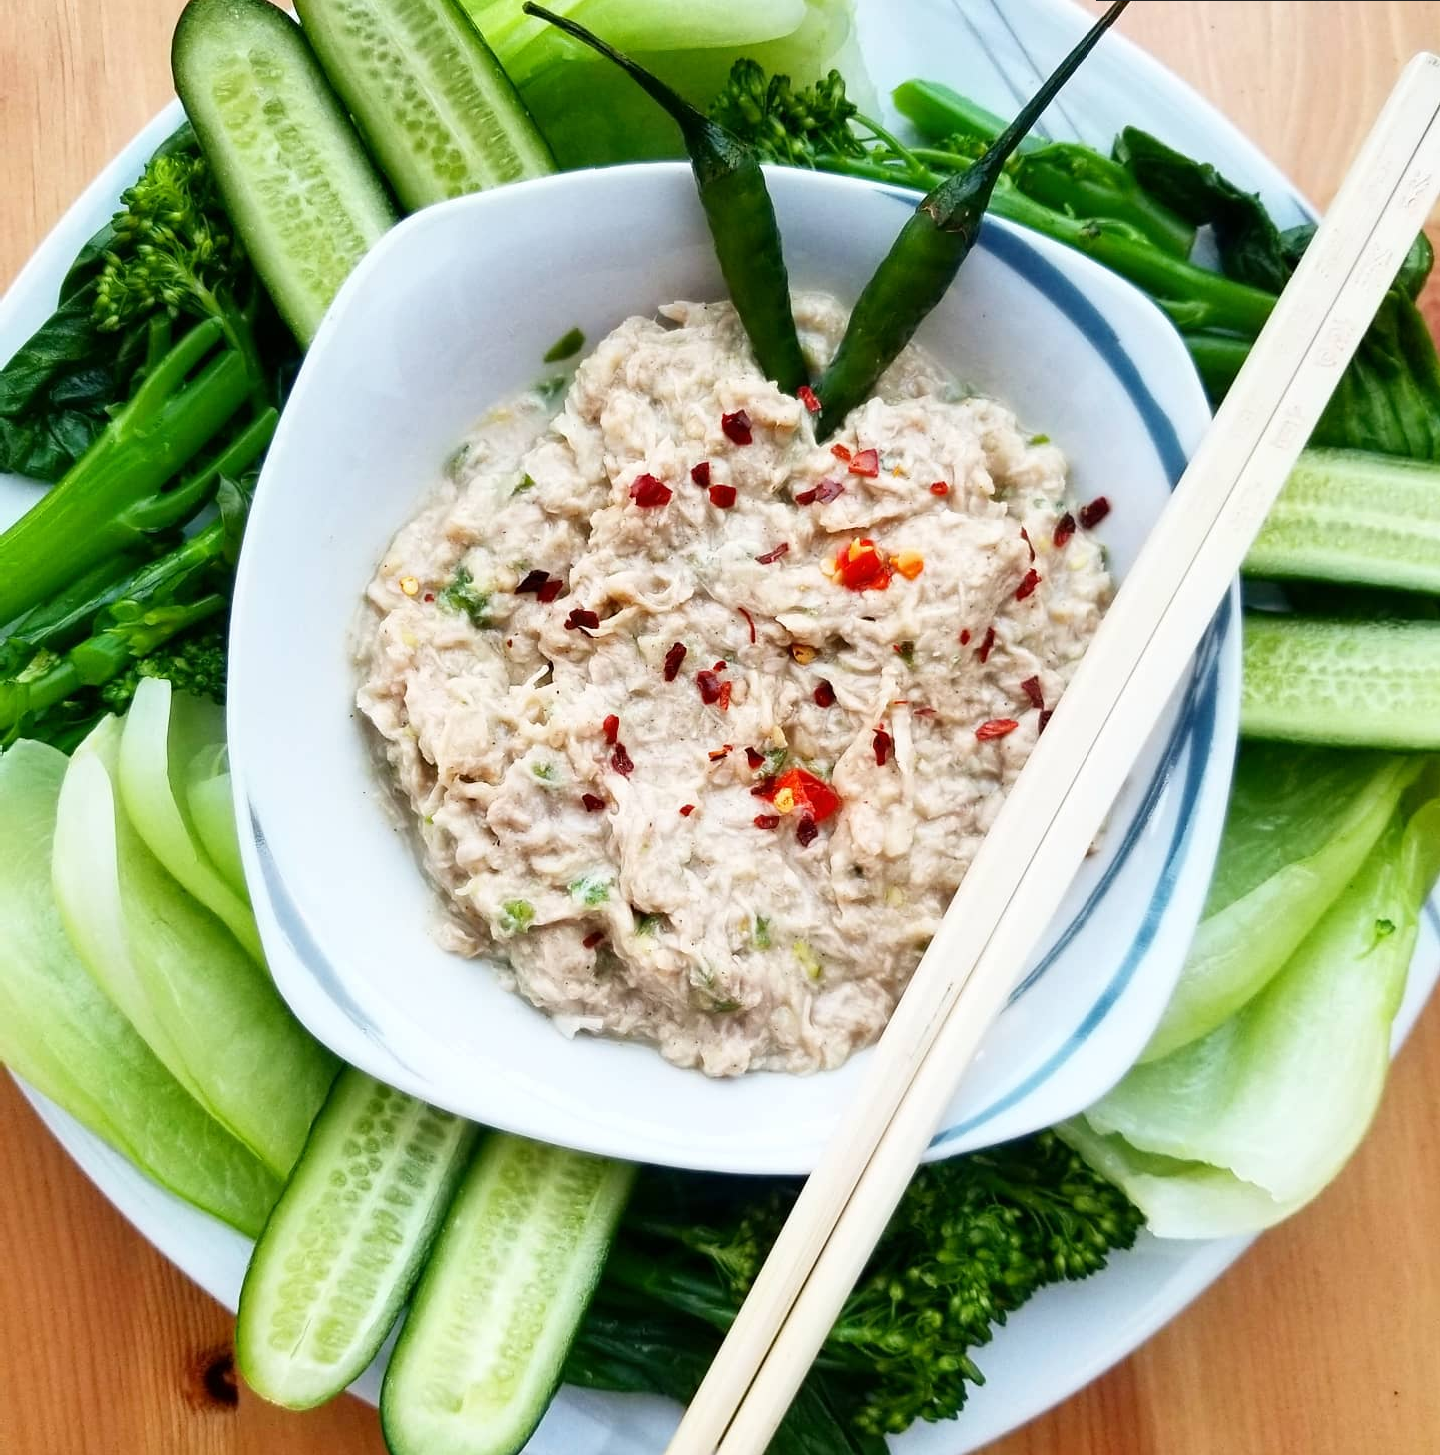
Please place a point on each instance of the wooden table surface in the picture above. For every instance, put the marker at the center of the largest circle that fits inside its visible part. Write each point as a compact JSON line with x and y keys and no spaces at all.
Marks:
{"x":1323,"y":1341}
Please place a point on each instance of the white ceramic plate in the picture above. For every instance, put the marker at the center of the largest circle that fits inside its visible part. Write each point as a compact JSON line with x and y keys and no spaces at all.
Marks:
{"x":1066,"y":1336}
{"x":419,"y":343}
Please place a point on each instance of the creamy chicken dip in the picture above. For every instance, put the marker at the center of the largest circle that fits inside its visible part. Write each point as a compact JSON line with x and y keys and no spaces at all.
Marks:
{"x":701,"y":721}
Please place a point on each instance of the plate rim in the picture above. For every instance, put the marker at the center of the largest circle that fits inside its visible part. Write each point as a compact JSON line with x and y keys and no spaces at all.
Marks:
{"x":138,"y":1200}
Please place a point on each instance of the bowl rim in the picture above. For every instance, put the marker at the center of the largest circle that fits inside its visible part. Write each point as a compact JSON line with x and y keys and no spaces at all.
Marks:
{"x":1075,"y":285}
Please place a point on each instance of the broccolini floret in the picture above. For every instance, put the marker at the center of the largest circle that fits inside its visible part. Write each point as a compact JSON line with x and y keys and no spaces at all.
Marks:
{"x":972,"y":1239}
{"x":171,"y":247}
{"x":193,"y":662}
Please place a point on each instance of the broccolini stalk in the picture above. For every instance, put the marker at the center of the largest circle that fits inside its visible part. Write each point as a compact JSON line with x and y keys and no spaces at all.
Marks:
{"x":66,"y":618}
{"x":938,"y":112}
{"x":117,"y":492}
{"x":158,"y":601}
{"x":1072,"y":178}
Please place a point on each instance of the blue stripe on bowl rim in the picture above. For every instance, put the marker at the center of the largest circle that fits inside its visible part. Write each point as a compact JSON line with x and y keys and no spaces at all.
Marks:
{"x":1195,"y":726}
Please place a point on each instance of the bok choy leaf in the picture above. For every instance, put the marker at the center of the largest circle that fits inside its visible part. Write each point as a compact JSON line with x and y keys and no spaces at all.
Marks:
{"x":1242,"y":1127}
{"x":1300,"y":824}
{"x":164,"y":733}
{"x":205,"y":1008}
{"x":60,"y":1032}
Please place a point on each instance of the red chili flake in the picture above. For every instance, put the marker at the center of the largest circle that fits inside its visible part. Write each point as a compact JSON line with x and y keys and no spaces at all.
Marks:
{"x":861,"y":566}
{"x":700,"y":473}
{"x":720,"y":665}
{"x":428,"y":597}
{"x":717,"y":754}
{"x":673,"y":659}
{"x":811,"y":796}
{"x":840,"y":453}
{"x":805,"y":831}
{"x":828,"y":490}
{"x":593,"y":802}
{"x":612,"y":728}
{"x":824,"y":694}
{"x":686,"y":809}
{"x":806,"y":395}
{"x":1031,"y":688}
{"x":964,"y":636}
{"x":755,"y":759}
{"x":924,"y":712}
{"x":581,"y":620}
{"x":1091,"y":515}
{"x":767,"y":820}
{"x":551,"y":589}
{"x":983,"y":650}
{"x":591,"y":941}
{"x":533,"y":581}
{"x":649,"y":491}
{"x":1064,"y":529}
{"x":722,"y":496}
{"x":749,"y":621}
{"x":882,"y":745}
{"x":866,"y":463}
{"x":997,"y":727}
{"x":725,"y":689}
{"x":772,"y":556}
{"x":736,"y":427}
{"x":1043,"y":721}
{"x":807,"y":497}
{"x":621,"y":761}
{"x":1028,"y":585}
{"x":939,"y":488}
{"x":1025,"y":536}
{"x":709,"y":685}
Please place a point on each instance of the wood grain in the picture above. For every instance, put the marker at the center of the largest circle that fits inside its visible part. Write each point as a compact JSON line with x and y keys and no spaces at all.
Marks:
{"x":1321,"y":1341}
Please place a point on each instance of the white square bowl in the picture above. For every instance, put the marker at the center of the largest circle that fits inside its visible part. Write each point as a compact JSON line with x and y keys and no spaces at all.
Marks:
{"x":453,"y":311}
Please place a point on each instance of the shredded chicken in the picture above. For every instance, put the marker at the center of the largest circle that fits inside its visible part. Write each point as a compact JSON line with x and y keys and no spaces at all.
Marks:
{"x":561,"y":846}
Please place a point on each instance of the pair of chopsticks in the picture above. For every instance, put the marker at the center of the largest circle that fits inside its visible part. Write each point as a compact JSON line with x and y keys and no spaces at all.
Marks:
{"x":1058,"y":803}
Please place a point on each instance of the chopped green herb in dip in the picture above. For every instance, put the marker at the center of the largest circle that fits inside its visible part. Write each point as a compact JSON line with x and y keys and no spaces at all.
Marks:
{"x":466,"y":599}
{"x":516,"y":916}
{"x":565,"y":347}
{"x":591,"y":889}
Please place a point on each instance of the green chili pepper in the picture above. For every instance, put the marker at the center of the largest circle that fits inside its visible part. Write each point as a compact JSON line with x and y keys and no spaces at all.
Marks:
{"x":926,"y":256}
{"x":738,"y":211}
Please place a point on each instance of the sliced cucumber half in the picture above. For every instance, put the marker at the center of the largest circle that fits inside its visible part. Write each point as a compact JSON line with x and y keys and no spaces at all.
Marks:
{"x":439,"y":113}
{"x":501,"y":1299}
{"x":1346,"y":684}
{"x":347,"y":1239}
{"x":294,"y":175}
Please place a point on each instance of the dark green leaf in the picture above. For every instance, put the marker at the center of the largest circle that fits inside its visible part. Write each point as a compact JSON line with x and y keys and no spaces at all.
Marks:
{"x":619,"y":1348}
{"x":1413,"y":271}
{"x":1247,"y":238}
{"x":1389,"y":398}
{"x":66,"y":339}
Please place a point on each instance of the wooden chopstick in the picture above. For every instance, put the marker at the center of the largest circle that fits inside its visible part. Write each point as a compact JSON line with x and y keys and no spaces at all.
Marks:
{"x":1058,"y":803}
